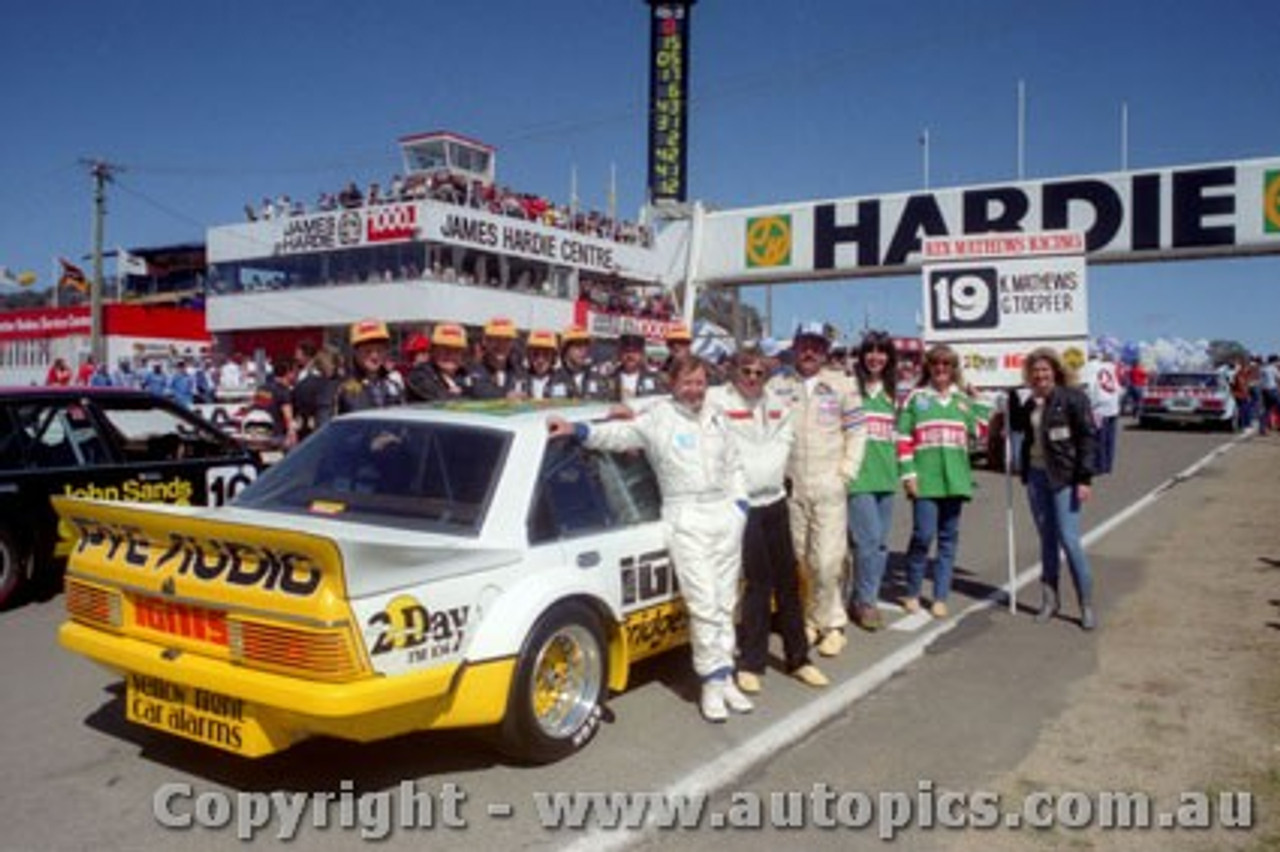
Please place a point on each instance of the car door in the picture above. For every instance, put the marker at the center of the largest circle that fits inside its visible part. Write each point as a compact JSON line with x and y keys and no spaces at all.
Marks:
{"x":49,"y":445}
{"x":604,"y":512}
{"x":162,"y":453}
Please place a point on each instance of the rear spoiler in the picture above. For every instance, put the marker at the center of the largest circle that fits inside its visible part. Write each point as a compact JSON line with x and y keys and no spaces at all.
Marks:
{"x":180,"y":552}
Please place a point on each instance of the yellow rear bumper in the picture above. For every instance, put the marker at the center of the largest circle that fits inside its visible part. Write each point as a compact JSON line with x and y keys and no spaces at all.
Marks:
{"x":269,"y":712}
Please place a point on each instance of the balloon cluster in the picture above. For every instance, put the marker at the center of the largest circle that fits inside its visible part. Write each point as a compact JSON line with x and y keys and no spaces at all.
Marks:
{"x":1162,"y":355}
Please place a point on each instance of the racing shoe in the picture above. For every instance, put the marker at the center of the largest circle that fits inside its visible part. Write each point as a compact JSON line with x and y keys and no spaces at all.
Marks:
{"x":810,"y":675}
{"x":832,"y":643}
{"x":713,"y":701}
{"x":733,"y":697}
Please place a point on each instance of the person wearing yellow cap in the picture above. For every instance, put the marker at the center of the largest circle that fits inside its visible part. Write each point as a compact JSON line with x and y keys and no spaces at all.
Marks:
{"x":540,"y":349}
{"x":583,"y":379}
{"x":442,"y":376}
{"x":370,"y":383}
{"x":679,"y":342}
{"x":497,"y":374}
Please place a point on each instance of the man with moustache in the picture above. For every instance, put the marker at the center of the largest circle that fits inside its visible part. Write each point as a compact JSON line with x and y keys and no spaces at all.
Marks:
{"x":633,"y":378}
{"x":830,"y":438}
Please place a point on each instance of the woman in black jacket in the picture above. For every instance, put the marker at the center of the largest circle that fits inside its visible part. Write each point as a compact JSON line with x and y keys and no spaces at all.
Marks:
{"x":1056,"y":424}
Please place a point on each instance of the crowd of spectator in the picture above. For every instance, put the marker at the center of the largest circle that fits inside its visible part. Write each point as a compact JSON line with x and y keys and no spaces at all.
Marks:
{"x":612,"y":296}
{"x":188,"y":378}
{"x":451,"y":188}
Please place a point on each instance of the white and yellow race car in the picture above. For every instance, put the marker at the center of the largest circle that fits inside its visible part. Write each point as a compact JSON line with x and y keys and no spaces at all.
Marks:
{"x":401,"y":570}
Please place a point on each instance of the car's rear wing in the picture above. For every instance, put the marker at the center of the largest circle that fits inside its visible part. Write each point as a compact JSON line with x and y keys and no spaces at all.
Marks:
{"x":181,"y":554}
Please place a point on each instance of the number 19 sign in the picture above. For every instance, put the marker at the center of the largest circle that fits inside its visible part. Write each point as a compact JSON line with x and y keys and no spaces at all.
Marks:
{"x":994,"y":298}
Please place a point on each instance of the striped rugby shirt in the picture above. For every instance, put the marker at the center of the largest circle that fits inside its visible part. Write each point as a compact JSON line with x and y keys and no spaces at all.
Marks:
{"x":933,"y":441}
{"x":879,"y":471}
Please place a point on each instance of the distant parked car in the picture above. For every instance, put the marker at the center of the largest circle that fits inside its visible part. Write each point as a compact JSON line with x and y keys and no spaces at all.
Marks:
{"x":104,"y":443}
{"x":1188,"y":398}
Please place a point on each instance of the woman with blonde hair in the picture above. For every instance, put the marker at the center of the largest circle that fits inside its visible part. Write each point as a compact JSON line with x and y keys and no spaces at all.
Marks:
{"x":934,"y":427}
{"x":1056,"y":425}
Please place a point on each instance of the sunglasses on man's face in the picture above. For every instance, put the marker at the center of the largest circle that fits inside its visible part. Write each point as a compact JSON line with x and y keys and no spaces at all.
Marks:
{"x":752,"y":372}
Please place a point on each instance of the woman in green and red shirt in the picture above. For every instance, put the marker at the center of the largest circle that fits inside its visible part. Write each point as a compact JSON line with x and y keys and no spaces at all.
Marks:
{"x":933,"y":455}
{"x":872,"y":492}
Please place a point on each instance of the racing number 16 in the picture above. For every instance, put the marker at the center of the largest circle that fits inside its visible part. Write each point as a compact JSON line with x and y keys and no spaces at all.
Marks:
{"x":964,"y":298}
{"x":224,"y":483}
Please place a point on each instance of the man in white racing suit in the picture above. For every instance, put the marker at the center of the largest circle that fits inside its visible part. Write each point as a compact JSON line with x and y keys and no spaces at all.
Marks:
{"x":704,"y":505}
{"x":761,"y":428}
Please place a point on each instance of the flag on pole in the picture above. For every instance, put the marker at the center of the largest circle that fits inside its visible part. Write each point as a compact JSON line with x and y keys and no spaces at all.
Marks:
{"x":613,"y":192}
{"x":72,"y":276}
{"x":573,"y":193}
{"x":131,"y":264}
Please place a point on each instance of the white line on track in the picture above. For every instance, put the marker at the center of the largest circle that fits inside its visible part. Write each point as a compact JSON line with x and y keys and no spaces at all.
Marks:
{"x":732,"y":764}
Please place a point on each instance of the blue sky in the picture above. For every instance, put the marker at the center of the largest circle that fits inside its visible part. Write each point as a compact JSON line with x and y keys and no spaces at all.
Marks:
{"x":214,"y":105}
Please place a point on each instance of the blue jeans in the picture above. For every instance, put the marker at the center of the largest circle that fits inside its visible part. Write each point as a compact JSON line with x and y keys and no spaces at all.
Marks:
{"x":933,"y":517}
{"x":1244,"y":413}
{"x":1270,"y":402}
{"x":870,"y":519}
{"x":1104,"y":455}
{"x":1057,"y":516}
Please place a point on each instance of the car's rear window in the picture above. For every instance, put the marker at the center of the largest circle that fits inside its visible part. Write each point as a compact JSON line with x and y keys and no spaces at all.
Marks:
{"x":426,"y":476}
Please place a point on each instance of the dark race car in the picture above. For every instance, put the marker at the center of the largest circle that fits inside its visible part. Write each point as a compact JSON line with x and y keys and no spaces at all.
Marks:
{"x":105,"y":443}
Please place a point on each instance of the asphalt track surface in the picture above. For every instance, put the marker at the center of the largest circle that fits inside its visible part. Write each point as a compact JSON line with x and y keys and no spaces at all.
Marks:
{"x":927,"y":699}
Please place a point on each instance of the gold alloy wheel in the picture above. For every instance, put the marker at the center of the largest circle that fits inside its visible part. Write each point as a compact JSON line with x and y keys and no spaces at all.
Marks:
{"x":567,"y":677}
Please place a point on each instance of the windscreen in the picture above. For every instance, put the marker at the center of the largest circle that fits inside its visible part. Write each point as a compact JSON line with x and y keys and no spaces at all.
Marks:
{"x":425,"y":476}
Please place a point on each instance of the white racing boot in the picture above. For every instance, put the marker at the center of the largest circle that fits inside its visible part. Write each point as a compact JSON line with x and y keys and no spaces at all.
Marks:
{"x":713,"y":701}
{"x":733,"y":697}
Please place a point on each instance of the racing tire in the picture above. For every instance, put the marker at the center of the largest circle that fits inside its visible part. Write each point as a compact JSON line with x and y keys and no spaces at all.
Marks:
{"x":557,"y":695}
{"x":12,"y":568}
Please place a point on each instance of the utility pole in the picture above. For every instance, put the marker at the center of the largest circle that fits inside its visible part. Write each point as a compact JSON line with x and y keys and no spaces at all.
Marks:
{"x":924,"y":144}
{"x":1124,"y":136}
{"x":1022,"y":129}
{"x":101,"y":171}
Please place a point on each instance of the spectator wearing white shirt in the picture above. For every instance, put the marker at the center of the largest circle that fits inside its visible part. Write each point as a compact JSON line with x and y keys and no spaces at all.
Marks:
{"x":1101,"y":382}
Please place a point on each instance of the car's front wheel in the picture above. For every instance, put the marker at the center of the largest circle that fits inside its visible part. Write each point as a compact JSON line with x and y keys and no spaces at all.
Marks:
{"x":556,"y":701}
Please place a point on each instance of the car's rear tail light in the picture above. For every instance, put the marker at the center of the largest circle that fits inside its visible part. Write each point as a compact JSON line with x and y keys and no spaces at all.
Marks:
{"x":320,"y":653}
{"x":96,"y":606}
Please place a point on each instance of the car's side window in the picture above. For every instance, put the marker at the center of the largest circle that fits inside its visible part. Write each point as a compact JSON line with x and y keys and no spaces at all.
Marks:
{"x":61,"y":435}
{"x":152,"y":433}
{"x":630,"y":487}
{"x":570,"y":499}
{"x":15,"y":443}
